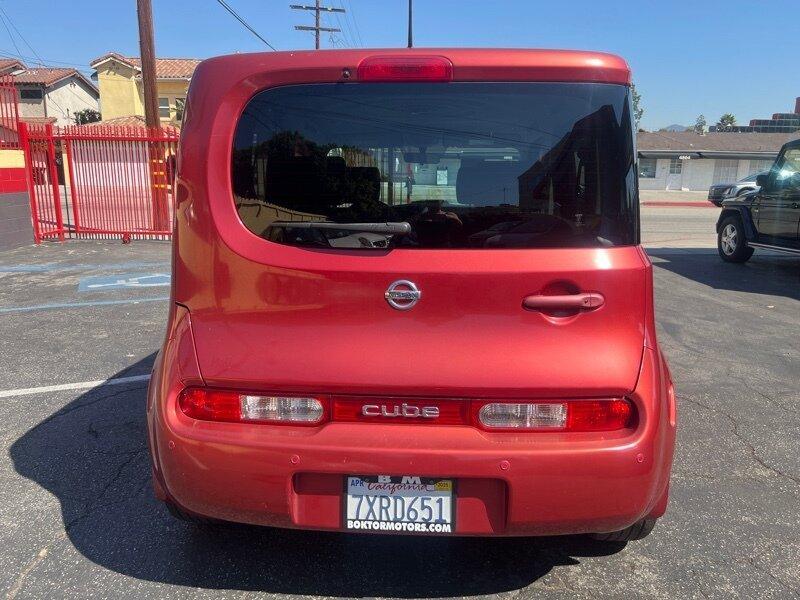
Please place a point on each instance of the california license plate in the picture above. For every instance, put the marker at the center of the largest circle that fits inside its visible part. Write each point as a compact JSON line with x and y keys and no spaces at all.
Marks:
{"x":404,"y":504}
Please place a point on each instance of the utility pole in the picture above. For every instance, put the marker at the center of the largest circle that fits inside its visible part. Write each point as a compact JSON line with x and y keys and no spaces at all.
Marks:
{"x":147,"y":51}
{"x":317,"y":10}
{"x":410,"y":34}
{"x":157,"y":161}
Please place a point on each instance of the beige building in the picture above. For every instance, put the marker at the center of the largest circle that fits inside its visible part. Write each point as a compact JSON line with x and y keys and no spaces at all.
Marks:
{"x":119,"y":79}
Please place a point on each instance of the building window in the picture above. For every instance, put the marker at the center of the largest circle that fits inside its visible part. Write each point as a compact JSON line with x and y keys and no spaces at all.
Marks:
{"x":726,"y":170}
{"x":179,"y":106}
{"x":647,"y":168}
{"x":675,"y":166}
{"x":30,"y":94}
{"x":163,"y":108}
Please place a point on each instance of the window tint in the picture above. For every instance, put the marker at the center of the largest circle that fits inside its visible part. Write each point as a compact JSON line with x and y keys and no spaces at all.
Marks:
{"x":787,"y":171}
{"x":465,"y":165}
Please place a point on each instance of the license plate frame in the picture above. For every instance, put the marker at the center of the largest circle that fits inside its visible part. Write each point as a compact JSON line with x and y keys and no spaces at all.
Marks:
{"x":418,"y":527}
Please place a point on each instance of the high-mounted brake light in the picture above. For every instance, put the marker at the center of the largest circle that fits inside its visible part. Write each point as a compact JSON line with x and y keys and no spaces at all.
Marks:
{"x":217,"y":405}
{"x":570,"y":415}
{"x":405,"y":68}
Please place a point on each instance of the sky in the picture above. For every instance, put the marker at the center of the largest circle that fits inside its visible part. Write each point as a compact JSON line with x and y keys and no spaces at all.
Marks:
{"x":688,"y":58}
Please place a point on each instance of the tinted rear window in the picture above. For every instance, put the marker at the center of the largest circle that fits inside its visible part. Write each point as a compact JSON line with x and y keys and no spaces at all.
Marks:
{"x":466,"y":165}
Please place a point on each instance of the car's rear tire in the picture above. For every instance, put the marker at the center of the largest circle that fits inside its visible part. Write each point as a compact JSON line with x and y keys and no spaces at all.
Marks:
{"x":637,"y":531}
{"x":731,"y":241}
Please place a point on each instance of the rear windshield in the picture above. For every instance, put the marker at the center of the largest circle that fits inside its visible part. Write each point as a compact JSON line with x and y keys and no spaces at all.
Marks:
{"x":438,"y":165}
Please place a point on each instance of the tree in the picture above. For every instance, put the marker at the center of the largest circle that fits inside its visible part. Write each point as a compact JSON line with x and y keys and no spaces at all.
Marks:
{"x":700,"y":124}
{"x":87,"y":115}
{"x":726,"y":122}
{"x":638,"y":111}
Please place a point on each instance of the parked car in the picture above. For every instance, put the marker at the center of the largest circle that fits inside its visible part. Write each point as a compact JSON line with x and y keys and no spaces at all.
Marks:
{"x":432,"y":385}
{"x":722,"y":191}
{"x":766,"y":218}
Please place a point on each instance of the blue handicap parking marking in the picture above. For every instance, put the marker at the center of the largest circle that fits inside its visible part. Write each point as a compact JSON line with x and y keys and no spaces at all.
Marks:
{"x":124,"y":281}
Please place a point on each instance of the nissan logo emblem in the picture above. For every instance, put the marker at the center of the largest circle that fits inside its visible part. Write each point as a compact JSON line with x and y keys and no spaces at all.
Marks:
{"x":402,"y":294}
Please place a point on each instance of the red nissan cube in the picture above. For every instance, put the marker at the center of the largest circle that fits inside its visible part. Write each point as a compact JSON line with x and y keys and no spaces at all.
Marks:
{"x":408,"y":296}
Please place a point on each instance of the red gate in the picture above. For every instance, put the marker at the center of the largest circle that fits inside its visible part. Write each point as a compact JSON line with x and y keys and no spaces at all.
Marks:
{"x":100,"y":181}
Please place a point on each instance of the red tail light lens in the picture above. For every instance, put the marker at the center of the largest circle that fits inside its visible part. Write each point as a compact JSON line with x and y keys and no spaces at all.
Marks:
{"x":405,"y":68}
{"x":599,"y":415}
{"x":217,"y":405}
{"x":570,"y":415}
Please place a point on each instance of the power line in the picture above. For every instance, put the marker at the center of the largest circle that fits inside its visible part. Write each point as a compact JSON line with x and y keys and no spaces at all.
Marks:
{"x":11,"y":37}
{"x":22,"y":37}
{"x":350,"y":30}
{"x":236,"y":16}
{"x":351,"y":13}
{"x":317,"y":28}
{"x":83,"y":67}
{"x":348,"y":40}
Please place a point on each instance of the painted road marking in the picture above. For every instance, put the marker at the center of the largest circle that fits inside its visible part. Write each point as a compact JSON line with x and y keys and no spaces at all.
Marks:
{"x":124,"y":281}
{"x":32,"y":268}
{"x":21,"y":309}
{"x":82,"y":385}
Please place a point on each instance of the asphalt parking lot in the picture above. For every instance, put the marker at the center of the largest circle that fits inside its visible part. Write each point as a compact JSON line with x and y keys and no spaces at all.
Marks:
{"x":79,"y":520}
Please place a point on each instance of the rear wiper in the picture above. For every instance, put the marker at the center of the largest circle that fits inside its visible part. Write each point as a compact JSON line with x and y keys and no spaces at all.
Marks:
{"x":398,"y":228}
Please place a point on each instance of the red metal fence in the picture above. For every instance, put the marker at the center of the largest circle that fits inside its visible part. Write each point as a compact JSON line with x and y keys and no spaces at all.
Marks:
{"x":100,"y":181}
{"x":9,"y":114}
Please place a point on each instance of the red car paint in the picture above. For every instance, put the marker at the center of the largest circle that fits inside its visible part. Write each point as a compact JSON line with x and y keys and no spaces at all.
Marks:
{"x":244,"y":310}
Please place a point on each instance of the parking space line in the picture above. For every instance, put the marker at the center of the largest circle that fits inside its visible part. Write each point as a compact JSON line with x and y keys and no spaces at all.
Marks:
{"x":19,"y":309}
{"x":123,"y":281}
{"x":82,"y":385}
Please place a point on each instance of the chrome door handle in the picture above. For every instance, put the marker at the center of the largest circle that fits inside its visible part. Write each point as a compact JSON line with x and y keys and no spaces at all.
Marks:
{"x":582,"y":301}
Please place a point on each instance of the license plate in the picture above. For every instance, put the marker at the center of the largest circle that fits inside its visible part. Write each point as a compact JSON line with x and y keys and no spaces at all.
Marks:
{"x":399,"y":504}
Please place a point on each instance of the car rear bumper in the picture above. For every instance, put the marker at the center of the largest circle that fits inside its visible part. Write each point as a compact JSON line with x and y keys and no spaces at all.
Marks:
{"x":507,"y":484}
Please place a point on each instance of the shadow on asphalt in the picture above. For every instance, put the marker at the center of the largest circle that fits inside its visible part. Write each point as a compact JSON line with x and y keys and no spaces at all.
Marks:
{"x":765,"y":273}
{"x":92,"y":456}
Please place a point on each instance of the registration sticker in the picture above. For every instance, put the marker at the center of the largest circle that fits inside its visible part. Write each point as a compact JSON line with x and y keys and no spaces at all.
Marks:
{"x":401,"y":504}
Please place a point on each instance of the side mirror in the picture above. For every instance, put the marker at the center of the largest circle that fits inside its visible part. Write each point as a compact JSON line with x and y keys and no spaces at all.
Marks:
{"x":761,"y":180}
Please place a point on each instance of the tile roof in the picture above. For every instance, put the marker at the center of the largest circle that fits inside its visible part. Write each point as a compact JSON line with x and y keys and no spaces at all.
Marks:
{"x":689,"y":141}
{"x":166,"y":68}
{"x":43,"y":75}
{"x":127,"y":121}
{"x":47,"y":76}
{"x":10,"y":64}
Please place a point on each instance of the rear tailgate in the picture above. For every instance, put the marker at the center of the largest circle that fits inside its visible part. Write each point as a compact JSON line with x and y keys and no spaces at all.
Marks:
{"x":331,"y":330}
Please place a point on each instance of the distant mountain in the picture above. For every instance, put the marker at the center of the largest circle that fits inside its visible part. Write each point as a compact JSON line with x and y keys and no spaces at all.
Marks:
{"x":675,"y":128}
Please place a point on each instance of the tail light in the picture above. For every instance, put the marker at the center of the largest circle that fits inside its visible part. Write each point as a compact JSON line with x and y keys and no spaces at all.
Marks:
{"x":570,"y":415}
{"x":217,"y":405}
{"x":565,"y":416}
{"x":405,"y":68}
